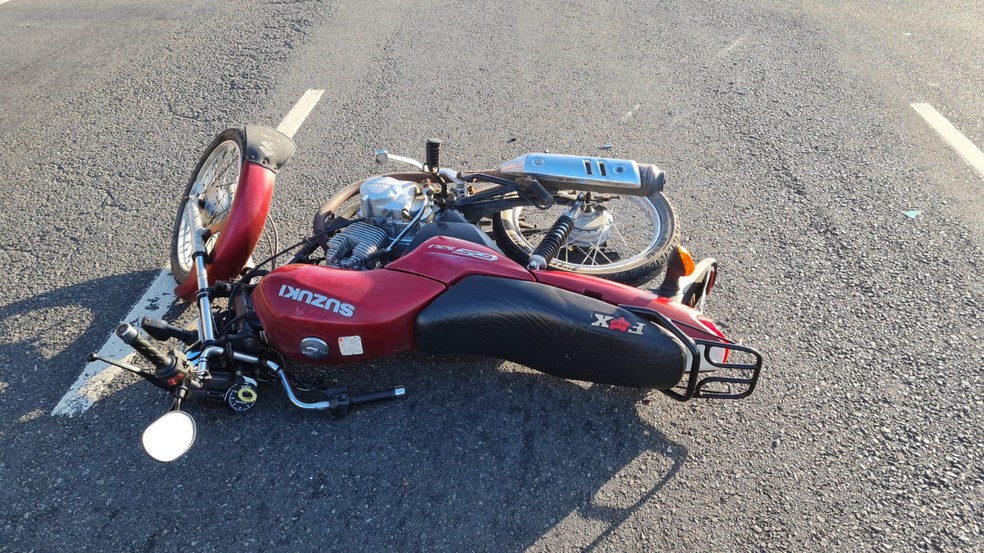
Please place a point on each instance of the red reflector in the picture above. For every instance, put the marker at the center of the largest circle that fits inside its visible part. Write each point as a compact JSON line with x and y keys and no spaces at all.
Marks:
{"x":709,"y":324}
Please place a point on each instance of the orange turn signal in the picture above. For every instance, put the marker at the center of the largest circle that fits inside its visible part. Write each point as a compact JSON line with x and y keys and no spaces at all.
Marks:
{"x":687,"y":259}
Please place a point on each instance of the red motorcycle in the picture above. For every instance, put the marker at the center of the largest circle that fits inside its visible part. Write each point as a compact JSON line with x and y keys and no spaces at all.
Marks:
{"x":532,"y":262}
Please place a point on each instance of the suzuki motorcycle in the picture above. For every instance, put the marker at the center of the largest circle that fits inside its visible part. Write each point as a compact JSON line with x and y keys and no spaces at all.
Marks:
{"x":534,"y":262}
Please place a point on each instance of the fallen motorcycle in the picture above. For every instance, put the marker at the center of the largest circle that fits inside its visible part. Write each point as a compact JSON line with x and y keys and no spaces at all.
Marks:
{"x":531,"y":262}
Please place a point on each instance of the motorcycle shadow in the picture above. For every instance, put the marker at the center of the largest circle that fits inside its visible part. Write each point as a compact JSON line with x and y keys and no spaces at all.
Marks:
{"x":482,"y":455}
{"x":44,"y":339}
{"x":485,"y":450}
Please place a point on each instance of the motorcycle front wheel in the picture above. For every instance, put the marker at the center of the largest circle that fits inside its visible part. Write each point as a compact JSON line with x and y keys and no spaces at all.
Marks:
{"x":622,"y":238}
{"x":213,"y":185}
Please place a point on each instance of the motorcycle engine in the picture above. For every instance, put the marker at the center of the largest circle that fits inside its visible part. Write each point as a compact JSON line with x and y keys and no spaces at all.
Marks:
{"x":386,"y":207}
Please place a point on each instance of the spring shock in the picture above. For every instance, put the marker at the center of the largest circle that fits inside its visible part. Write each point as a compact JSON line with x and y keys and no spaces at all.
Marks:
{"x":556,"y":237}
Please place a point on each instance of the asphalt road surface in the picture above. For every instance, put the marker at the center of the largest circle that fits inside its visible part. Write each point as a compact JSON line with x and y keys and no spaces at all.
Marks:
{"x":792,"y":153}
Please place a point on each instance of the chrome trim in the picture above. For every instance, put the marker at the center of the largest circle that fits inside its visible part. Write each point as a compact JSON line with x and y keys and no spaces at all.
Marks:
{"x":206,"y":326}
{"x":317,"y":406}
{"x":382,"y":156}
{"x":314,"y":348}
{"x":576,"y":170}
{"x":536,"y":263}
{"x":201,"y":365}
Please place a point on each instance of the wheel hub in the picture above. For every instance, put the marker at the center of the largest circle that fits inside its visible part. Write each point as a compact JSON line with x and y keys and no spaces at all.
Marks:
{"x":591,"y":228}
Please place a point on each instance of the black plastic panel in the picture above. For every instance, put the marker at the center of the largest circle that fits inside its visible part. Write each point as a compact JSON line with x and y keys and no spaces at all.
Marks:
{"x":551,"y":330}
{"x":268,"y":147}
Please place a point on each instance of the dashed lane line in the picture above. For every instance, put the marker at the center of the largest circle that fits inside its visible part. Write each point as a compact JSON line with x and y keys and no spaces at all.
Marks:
{"x":97,"y":378}
{"x":91,"y":385}
{"x":300,"y":112}
{"x":971,"y":153}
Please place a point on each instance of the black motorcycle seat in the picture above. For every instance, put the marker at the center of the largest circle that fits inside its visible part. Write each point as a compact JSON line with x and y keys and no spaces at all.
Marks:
{"x":551,"y":330}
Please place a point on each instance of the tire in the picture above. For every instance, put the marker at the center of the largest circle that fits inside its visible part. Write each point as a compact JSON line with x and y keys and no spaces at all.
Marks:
{"x":213,"y":183}
{"x":642,"y":233}
{"x":339,"y":205}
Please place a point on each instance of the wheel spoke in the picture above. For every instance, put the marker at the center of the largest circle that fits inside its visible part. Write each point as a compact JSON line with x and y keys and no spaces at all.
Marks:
{"x":603,"y":246}
{"x":618,"y":232}
{"x":215,"y":189}
{"x":598,"y":251}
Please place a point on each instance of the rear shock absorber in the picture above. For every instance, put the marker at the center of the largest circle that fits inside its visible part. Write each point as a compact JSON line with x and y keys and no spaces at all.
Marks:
{"x":556,"y":237}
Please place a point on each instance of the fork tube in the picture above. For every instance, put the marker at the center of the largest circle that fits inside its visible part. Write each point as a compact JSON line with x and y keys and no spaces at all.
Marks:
{"x":206,"y":326}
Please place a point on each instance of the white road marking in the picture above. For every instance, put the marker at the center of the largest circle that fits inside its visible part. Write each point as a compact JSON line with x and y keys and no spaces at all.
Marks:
{"x":93,"y":384}
{"x":738,"y":42}
{"x":628,"y":115}
{"x":299,"y":113}
{"x":4,"y":1}
{"x":971,"y":153}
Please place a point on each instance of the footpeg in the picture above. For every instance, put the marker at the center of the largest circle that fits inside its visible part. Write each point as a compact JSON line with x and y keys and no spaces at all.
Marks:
{"x":341,"y":402}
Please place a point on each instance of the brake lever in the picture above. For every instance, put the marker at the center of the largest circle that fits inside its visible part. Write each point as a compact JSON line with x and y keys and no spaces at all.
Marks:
{"x":118,"y":364}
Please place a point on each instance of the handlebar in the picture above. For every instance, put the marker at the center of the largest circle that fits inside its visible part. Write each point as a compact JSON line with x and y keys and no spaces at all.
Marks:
{"x":162,"y":361}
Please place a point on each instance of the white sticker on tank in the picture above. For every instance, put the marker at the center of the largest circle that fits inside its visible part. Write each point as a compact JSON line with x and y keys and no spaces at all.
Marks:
{"x":350,"y":345}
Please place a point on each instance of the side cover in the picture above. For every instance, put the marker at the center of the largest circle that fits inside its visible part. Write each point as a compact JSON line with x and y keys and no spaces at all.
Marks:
{"x":551,"y":330}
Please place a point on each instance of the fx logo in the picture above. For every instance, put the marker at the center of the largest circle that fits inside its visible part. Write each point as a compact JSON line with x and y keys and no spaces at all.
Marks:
{"x":619,"y":324}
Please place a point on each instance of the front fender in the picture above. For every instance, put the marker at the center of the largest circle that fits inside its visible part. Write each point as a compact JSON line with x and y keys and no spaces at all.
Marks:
{"x":266,"y":151}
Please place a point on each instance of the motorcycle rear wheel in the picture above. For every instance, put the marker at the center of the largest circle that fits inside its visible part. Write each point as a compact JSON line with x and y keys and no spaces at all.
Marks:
{"x":639,"y":238}
{"x":213,"y":185}
{"x":345,"y":203}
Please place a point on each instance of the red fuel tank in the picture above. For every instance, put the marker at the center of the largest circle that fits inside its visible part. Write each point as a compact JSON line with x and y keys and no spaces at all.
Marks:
{"x":317,"y":314}
{"x":448,"y":260}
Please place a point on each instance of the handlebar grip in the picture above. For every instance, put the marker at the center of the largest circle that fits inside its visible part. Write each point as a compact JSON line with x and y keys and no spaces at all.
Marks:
{"x":129,"y":334}
{"x":433,"y":153}
{"x":542,"y":194}
{"x":394,"y":393}
{"x":161,"y":330}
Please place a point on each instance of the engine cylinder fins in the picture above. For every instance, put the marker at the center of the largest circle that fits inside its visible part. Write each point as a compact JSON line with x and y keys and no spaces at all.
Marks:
{"x":355,"y":243}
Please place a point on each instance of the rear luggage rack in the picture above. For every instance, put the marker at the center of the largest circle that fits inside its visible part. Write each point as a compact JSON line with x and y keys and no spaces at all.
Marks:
{"x":737,"y":383}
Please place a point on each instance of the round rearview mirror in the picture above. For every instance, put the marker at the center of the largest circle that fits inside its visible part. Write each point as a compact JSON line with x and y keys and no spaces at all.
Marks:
{"x":170,"y":436}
